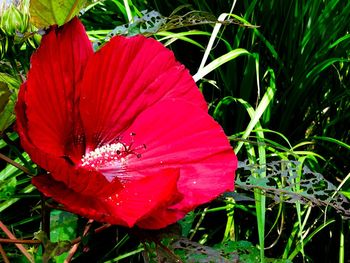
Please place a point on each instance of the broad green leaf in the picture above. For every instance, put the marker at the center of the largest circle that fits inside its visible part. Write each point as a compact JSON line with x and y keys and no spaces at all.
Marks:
{"x":4,"y":96}
{"x":7,"y":104}
{"x":11,"y":81}
{"x":51,"y":249}
{"x":63,"y":227}
{"x":45,"y":13}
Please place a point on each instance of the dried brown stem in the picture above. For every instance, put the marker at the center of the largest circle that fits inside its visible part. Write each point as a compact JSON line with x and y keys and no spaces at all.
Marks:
{"x":74,"y":248}
{"x":3,"y":254}
{"x":36,"y":242}
{"x":17,"y":165}
{"x":20,"y":241}
{"x":19,"y":246}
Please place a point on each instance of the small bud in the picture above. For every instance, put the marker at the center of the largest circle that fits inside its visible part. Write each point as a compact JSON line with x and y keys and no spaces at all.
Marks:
{"x":14,"y":20}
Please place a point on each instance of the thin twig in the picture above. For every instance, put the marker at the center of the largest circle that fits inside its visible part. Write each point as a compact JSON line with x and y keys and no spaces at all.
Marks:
{"x":74,"y":248}
{"x":10,"y":144}
{"x":20,"y":241}
{"x":3,"y":254}
{"x":97,"y":230}
{"x":17,"y":165}
{"x":36,"y":242}
{"x":19,"y":246}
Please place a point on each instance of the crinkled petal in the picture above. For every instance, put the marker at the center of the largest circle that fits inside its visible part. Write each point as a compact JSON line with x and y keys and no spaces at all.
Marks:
{"x":88,"y":182}
{"x":179,"y":135}
{"x":124,"y":78}
{"x":86,"y":205}
{"x":140,"y":198}
{"x":125,"y":207}
{"x":52,"y":89}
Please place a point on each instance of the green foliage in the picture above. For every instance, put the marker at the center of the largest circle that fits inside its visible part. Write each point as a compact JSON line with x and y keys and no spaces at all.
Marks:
{"x":148,"y":23}
{"x":4,"y":96}
{"x":14,"y":18}
{"x":7,"y":188}
{"x":63,"y":228}
{"x":52,"y":250}
{"x":230,"y":251}
{"x":44,"y":13}
{"x":7,"y":101}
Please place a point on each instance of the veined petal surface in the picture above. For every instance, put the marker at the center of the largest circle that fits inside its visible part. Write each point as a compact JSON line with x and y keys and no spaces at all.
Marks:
{"x":125,"y":77}
{"x":125,"y":207}
{"x":177,"y":134}
{"x":52,"y":90}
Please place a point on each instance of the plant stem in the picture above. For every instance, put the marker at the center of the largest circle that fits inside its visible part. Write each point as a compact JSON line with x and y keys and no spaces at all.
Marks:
{"x":19,"y":246}
{"x":341,"y":243}
{"x":17,"y":165}
{"x":3,"y":254}
{"x":76,"y":245}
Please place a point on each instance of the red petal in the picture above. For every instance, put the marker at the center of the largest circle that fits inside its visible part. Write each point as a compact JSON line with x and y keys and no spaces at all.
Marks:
{"x":124,"y":78}
{"x":78,"y":179}
{"x":52,"y":88}
{"x":161,"y":218}
{"x":179,"y":135}
{"x":87,"y":182}
{"x":141,"y":198}
{"x":45,"y":160}
{"x":136,"y":201}
{"x":88,"y":206}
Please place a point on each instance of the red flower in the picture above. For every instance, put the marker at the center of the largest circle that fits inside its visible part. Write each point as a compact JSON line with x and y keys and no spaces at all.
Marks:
{"x":123,"y":132}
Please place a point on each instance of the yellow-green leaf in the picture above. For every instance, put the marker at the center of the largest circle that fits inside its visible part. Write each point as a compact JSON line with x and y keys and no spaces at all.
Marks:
{"x":4,"y":96}
{"x":8,"y":96}
{"x":45,"y":13}
{"x":7,"y":101}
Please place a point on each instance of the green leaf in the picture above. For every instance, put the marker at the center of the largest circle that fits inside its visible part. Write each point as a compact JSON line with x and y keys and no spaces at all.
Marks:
{"x":7,"y":188}
{"x":51,"y":12}
{"x":186,"y":223}
{"x":230,"y":251}
{"x":149,"y":23}
{"x":243,"y":251}
{"x":11,"y":81}
{"x":63,"y":227}
{"x":4,"y":96}
{"x":52,"y":249}
{"x":7,"y":104}
{"x":346,"y":193}
{"x":219,"y":61}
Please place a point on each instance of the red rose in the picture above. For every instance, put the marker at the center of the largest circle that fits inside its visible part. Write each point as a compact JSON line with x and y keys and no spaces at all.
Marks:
{"x":124,"y":133}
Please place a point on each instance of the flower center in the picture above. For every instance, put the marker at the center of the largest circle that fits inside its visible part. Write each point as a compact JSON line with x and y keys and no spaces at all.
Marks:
{"x":105,"y":155}
{"x":112,"y":155}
